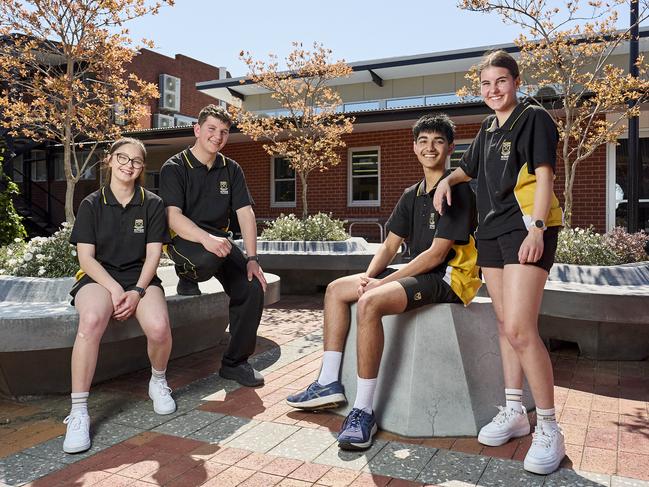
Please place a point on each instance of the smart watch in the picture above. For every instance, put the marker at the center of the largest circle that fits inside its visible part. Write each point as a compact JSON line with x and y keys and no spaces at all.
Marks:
{"x":140,"y":290}
{"x":253,"y":258}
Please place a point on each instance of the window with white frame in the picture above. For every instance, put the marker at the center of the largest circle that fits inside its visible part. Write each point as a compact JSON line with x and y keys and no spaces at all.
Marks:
{"x":18,"y":169}
{"x":461,"y":147}
{"x":38,"y":162}
{"x":282,"y":182}
{"x":364,"y":176}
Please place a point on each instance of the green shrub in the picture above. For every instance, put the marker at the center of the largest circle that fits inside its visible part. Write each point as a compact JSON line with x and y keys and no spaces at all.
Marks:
{"x":41,"y":257}
{"x":587,"y":247}
{"x":316,"y":227}
{"x":11,"y":223}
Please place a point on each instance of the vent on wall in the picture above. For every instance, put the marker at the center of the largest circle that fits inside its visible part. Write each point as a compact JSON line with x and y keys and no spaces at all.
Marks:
{"x":169,"y":93}
{"x":162,"y":121}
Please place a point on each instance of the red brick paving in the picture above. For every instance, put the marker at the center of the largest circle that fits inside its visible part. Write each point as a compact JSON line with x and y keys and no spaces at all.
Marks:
{"x":602,"y":406}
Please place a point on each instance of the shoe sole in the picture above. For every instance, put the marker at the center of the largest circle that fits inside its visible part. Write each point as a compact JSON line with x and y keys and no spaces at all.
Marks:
{"x":325,"y":402}
{"x":501,"y":440}
{"x":240,"y":381}
{"x":77,"y":449}
{"x":346,"y":445}
{"x":542,"y":469}
{"x":161,"y":412}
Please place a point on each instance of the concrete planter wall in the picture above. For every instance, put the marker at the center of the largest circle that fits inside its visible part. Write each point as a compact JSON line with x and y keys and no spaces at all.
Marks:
{"x":605,"y":310}
{"x":307,"y":267}
{"x":38,"y":328}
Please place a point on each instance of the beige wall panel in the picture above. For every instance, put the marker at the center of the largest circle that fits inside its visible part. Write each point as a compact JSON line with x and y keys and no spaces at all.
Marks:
{"x":408,"y":87}
{"x":372,"y":91}
{"x":439,"y":83}
{"x":353,"y":92}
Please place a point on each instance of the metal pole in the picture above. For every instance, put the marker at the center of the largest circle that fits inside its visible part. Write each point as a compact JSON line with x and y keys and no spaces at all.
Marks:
{"x":633,"y":215}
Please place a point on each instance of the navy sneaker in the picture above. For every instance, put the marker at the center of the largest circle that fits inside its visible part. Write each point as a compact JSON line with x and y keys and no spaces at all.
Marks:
{"x":357,"y":431}
{"x":317,"y":396}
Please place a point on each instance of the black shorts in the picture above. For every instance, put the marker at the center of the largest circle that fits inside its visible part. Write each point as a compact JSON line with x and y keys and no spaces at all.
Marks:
{"x":424,"y":289}
{"x":503,"y":250}
{"x":126,"y":279}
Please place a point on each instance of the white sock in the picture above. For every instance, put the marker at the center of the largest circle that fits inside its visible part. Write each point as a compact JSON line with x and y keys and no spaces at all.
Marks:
{"x":330,"y":367}
{"x":79,"y":402}
{"x":513,"y":398}
{"x":546,"y":418}
{"x":158,"y":374}
{"x":365,"y":394}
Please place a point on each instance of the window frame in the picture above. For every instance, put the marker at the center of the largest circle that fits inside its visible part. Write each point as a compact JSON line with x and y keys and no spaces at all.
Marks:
{"x":350,"y":187}
{"x":280,"y":204}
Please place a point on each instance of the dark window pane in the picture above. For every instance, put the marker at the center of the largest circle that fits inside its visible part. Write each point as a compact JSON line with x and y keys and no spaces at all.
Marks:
{"x":365,"y":189}
{"x":622,"y":185}
{"x":365,"y":163}
{"x":282,"y":169}
{"x":285,"y":191}
{"x":457,"y":154}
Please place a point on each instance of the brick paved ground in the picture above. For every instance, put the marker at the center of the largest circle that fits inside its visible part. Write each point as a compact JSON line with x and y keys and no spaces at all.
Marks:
{"x":223,"y":435}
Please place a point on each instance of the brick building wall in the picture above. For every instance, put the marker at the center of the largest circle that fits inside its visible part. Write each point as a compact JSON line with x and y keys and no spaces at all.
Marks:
{"x":149,"y":65}
{"x":327,"y":191}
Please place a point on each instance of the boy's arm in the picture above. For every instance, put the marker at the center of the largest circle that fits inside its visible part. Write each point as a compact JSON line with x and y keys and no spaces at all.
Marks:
{"x":385,"y":254}
{"x":424,"y":262}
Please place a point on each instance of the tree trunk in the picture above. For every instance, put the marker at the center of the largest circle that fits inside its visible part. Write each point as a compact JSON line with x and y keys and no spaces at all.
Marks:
{"x":305,"y":209}
{"x":68,"y":147}
{"x":69,"y":199}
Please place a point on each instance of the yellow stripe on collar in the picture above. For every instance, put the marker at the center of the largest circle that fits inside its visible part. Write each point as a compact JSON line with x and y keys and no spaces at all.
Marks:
{"x":187,"y":160}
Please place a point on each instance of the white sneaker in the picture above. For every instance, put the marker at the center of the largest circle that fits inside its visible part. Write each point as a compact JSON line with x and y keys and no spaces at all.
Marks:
{"x":160,"y":394}
{"x":547,"y":450}
{"x":77,"y":434}
{"x":507,"y":424}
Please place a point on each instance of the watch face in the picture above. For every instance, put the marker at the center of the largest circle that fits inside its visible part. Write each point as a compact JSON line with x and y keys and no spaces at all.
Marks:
{"x":539,"y":224}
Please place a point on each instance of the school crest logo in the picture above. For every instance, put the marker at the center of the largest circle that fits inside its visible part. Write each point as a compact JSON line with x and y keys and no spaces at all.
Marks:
{"x":431,"y":221}
{"x":223,"y":186}
{"x":505,"y":150}
{"x":418,"y":296}
{"x":138,"y":226}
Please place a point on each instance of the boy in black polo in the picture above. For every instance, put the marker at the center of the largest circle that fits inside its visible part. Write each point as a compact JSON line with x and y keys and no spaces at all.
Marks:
{"x":200,"y":187}
{"x":442,"y":270}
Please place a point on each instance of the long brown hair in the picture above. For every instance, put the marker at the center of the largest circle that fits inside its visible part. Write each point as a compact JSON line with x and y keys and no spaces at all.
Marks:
{"x":116,"y":145}
{"x":499,"y":59}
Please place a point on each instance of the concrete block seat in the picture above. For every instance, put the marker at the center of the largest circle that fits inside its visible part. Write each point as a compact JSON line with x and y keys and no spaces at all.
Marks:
{"x":38,"y":327}
{"x":604,"y":309}
{"x":441,"y":373}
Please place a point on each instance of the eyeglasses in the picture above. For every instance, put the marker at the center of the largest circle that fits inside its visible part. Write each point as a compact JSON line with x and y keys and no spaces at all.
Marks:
{"x":123,"y":159}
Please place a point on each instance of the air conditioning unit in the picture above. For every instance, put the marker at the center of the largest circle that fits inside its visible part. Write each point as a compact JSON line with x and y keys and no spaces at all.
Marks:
{"x":162,"y":121}
{"x":184,"y":120}
{"x":169,"y":93}
{"x":550,"y":90}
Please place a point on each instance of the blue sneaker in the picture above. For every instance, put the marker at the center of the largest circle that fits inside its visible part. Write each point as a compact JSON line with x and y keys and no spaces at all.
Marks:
{"x":357,"y":431}
{"x":317,"y":396}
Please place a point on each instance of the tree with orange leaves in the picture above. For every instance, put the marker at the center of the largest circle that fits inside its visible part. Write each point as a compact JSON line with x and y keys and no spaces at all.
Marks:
{"x":63,"y":77}
{"x":310,"y":134}
{"x":568,"y":52}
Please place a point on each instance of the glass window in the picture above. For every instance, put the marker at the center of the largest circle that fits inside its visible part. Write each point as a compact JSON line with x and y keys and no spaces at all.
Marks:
{"x":362,"y":106}
{"x":152,"y":181}
{"x":405,"y":102}
{"x":90,"y":173}
{"x":622,"y":187}
{"x":457,"y":154}
{"x":282,"y":182}
{"x":38,"y":162}
{"x":17,"y":169}
{"x":364,"y":177}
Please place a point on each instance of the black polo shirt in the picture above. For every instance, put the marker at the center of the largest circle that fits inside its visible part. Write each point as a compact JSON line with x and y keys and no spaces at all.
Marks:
{"x":120,"y":234}
{"x":504,"y":160}
{"x":205,"y":195}
{"x":416,"y":220}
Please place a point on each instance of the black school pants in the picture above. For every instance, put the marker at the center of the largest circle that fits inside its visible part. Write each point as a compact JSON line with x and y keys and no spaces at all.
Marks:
{"x":196,"y":264}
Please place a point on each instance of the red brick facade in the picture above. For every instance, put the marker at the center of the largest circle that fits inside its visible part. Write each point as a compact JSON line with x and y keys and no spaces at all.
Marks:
{"x":327,"y":191}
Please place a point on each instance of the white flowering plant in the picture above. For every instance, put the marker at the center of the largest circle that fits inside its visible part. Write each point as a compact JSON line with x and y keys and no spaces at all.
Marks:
{"x":41,"y":256}
{"x":320,"y":227}
{"x":584,"y":246}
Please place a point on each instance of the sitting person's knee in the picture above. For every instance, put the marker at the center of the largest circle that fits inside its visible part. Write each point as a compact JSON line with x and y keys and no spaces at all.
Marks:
{"x":368,"y":305}
{"x":92,"y":325}
{"x":159,"y":334}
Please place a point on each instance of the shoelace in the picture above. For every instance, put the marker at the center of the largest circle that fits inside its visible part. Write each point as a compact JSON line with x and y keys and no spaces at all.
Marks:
{"x":541,"y":438}
{"x":503,"y":415}
{"x":74,"y":422}
{"x":355,"y":419}
{"x":165,"y":390}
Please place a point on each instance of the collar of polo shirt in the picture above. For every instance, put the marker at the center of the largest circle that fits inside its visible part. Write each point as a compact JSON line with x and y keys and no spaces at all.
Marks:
{"x":511,"y":120}
{"x":421,"y":188}
{"x":108,"y":198}
{"x":192,"y":162}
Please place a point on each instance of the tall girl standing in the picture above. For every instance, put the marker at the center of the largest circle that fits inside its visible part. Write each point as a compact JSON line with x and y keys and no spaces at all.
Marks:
{"x":513,"y":158}
{"x":119,"y":232}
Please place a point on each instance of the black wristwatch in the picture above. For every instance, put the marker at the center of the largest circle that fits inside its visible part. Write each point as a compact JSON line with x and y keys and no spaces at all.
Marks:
{"x":540,"y":224}
{"x":253,"y":257}
{"x":140,"y":290}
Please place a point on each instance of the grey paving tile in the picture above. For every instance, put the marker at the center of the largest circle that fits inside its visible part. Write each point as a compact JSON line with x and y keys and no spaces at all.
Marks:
{"x":401,"y":460}
{"x":263,"y":437}
{"x":109,"y":433}
{"x":21,"y":468}
{"x":617,"y":481}
{"x":565,"y":477}
{"x":52,"y":450}
{"x":189,"y":423}
{"x":224,"y":430}
{"x":140,"y":415}
{"x":353,"y":460}
{"x":453,"y":468}
{"x":507,"y":473}
{"x":305,"y":444}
